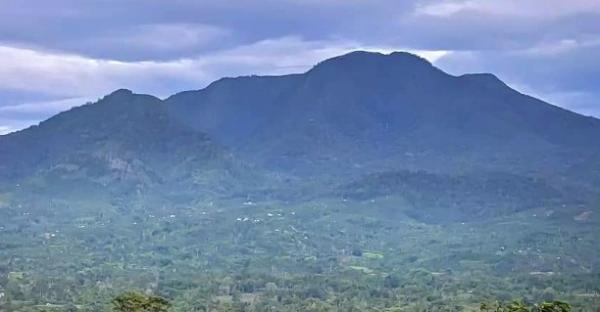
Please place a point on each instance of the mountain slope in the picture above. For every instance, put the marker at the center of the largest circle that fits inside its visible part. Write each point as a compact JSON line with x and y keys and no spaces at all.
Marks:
{"x":443,"y":198}
{"x":359,"y":117}
{"x":369,"y":110}
{"x":124,"y":142}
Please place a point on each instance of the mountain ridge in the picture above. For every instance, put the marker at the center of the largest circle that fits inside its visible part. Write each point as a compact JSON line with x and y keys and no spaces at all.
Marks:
{"x":345,"y":119}
{"x":392,"y":92}
{"x":125,"y":140}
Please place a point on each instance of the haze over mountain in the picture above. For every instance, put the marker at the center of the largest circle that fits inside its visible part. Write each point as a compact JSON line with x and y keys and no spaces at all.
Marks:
{"x":350,"y":116}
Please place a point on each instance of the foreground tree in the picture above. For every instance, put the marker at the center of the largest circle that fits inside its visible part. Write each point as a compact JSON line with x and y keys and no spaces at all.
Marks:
{"x":137,"y":302}
{"x":553,"y":306}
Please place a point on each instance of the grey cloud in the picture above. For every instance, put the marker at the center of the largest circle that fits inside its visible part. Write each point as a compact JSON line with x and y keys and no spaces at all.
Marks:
{"x":565,"y":74}
{"x":71,"y":80}
{"x":58,"y":50}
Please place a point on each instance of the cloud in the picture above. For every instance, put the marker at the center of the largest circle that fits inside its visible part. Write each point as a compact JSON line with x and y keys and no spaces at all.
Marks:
{"x":583,"y":102}
{"x":81,"y":49}
{"x":290,"y":55}
{"x":6,"y":130}
{"x":160,"y":40}
{"x":43,"y":107}
{"x":443,"y":8}
{"x":562,"y":74}
{"x":8,"y":125}
{"x":562,"y":46}
{"x":75,"y":79}
{"x":16,"y":117}
{"x":543,"y":9}
{"x":71,"y":75}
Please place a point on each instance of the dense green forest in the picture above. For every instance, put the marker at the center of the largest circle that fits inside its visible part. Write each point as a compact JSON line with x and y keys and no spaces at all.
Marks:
{"x":325,"y":254}
{"x":137,"y":302}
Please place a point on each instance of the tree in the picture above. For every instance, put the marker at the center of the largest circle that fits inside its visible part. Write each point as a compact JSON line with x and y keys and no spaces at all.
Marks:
{"x":515,"y":306}
{"x":554,"y":306}
{"x":137,"y":302}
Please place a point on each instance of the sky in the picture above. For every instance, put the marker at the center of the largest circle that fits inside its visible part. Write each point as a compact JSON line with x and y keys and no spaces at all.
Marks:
{"x":62,"y":53}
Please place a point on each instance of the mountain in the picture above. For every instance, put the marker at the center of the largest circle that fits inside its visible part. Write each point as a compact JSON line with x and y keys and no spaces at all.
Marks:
{"x":123,"y":143}
{"x":370,"y":110}
{"x":388,"y":124}
{"x":369,"y":182}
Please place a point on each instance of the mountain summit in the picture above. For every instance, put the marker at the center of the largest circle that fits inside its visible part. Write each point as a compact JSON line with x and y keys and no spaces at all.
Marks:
{"x":382,"y":111}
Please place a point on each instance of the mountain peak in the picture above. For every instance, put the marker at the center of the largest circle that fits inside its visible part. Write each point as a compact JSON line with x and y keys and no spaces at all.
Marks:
{"x":120,"y":93}
{"x":398,"y":55}
{"x":487,"y":80}
{"x":481,"y":76}
{"x":126,"y":96}
{"x":366,"y":58}
{"x":367,"y":65}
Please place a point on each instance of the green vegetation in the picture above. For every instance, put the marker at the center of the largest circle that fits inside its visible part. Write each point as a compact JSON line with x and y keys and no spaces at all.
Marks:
{"x":136,"y":302}
{"x":419,"y":192}
{"x":329,"y":254}
{"x":554,"y":306}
